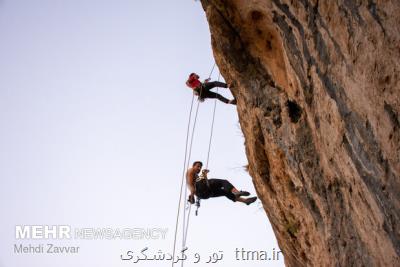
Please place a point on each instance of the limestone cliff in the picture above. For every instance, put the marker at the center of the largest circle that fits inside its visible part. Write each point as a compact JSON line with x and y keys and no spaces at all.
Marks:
{"x":317,"y":85}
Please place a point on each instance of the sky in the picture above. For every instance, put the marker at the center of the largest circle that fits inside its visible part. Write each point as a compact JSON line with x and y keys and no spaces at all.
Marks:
{"x":93,"y":116}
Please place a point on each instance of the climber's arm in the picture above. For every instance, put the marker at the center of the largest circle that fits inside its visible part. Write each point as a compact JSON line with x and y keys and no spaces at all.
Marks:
{"x":190,"y":180}
{"x":205,"y":172}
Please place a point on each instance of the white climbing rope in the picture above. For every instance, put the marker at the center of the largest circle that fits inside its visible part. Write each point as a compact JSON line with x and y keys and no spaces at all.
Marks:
{"x":188,"y":151}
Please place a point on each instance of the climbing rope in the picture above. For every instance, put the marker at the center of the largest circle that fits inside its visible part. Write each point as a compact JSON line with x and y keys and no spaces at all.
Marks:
{"x":209,"y":143}
{"x":185,"y":226}
{"x":208,"y":158}
{"x":184,"y":232}
{"x":212,"y":70}
{"x":182,"y":180}
{"x":212,"y":126}
{"x":188,"y":152}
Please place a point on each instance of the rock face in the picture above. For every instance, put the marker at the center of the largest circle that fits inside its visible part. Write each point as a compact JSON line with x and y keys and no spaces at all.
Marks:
{"x":317,"y":85}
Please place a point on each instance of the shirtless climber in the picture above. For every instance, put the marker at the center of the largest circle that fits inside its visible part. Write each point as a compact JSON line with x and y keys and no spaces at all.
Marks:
{"x":202,"y":90}
{"x":205,"y":188}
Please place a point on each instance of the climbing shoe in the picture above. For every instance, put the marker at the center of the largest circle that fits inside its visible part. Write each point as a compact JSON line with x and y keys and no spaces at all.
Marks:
{"x":233,"y":102}
{"x":242,"y":194}
{"x":250,"y":200}
{"x":191,"y":199}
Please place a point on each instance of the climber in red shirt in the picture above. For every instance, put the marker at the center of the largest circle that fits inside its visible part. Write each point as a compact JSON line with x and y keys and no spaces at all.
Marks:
{"x":202,"y":90}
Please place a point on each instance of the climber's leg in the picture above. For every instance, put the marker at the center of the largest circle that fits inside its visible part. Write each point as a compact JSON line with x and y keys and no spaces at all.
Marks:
{"x":247,"y":201}
{"x":211,"y":85}
{"x":220,"y":187}
{"x":209,"y":94}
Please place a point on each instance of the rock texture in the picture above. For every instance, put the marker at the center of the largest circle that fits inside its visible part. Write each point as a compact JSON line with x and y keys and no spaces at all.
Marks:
{"x":317,"y":85}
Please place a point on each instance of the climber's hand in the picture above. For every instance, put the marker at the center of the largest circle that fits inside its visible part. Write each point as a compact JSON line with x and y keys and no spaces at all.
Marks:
{"x":207,"y":80}
{"x":191,"y":199}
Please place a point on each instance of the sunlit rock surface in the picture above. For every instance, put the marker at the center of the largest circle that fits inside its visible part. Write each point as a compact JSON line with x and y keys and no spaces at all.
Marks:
{"x":317,"y":85}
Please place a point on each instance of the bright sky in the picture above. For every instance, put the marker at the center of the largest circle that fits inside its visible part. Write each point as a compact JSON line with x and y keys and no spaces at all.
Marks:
{"x":93,"y":115}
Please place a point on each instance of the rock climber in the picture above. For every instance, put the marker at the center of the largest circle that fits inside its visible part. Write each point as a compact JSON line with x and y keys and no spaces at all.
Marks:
{"x":204,"y":188}
{"x":202,"y":90}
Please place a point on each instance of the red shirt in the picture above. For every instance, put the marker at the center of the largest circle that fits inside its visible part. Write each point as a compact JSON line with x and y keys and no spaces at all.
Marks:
{"x":193,"y":81}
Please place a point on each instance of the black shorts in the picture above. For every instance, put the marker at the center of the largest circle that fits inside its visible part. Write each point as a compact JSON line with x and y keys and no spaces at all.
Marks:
{"x":214,"y":188}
